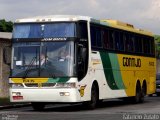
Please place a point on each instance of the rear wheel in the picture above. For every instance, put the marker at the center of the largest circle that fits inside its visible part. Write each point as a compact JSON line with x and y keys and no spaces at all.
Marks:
{"x":143,"y":92}
{"x":138,"y":97}
{"x":158,"y":94}
{"x":37,"y":106}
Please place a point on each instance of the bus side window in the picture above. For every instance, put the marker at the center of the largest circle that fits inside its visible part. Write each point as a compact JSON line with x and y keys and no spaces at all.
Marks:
{"x":126,"y":42}
{"x":105,"y":39}
{"x":82,"y":49}
{"x":121,"y":42}
{"x":138,"y":44}
{"x":82,"y":61}
{"x":83,"y":30}
{"x":93,"y":36}
{"x":117,"y":41}
{"x":111,"y":39}
{"x":132,"y":39}
{"x":99,"y":37}
{"x":152,"y":46}
{"x":147,"y":45}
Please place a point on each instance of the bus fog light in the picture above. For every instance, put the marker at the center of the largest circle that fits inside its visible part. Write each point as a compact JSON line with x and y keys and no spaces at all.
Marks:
{"x":65,"y":85}
{"x":64,"y":94}
{"x":16,"y":94}
{"x":16,"y":85}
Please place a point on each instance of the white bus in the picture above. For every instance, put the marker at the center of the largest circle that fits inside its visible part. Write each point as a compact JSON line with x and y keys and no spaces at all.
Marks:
{"x":72,"y":59}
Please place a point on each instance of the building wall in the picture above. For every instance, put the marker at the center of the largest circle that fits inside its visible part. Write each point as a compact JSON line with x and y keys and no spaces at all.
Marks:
{"x":4,"y":72}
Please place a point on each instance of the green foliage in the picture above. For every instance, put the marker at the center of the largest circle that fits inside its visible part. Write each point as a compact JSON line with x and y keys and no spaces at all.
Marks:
{"x":157,"y":38}
{"x":6,"y":26}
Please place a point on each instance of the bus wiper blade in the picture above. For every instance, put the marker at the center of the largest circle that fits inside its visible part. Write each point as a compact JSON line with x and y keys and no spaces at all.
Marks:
{"x":29,"y":67}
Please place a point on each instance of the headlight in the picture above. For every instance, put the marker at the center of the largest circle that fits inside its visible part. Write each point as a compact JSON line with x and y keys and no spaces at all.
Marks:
{"x":16,"y":85}
{"x":65,"y":85}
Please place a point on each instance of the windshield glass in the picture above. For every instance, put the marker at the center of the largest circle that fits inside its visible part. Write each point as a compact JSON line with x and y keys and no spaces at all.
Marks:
{"x":46,"y":30}
{"x":43,"y":59}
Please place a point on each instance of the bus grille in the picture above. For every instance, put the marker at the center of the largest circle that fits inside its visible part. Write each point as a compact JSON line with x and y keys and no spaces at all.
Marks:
{"x":40,"y":85}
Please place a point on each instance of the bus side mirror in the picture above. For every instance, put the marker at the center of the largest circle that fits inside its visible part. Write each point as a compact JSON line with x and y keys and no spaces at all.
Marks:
{"x":7,"y":55}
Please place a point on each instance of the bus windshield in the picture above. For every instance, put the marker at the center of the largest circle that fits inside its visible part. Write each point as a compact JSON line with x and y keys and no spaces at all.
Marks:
{"x":47,"y":30}
{"x":43,"y":59}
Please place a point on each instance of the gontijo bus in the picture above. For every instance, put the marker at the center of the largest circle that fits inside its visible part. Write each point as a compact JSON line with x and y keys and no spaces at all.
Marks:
{"x":86,"y":60}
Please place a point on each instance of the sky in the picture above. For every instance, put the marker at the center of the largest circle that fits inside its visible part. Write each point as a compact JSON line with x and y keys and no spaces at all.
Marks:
{"x":142,"y":14}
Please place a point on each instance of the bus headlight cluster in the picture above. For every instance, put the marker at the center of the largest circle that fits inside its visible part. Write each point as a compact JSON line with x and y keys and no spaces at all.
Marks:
{"x":16,"y":85}
{"x":64,"y":94}
{"x":16,"y":94}
{"x":65,"y":85}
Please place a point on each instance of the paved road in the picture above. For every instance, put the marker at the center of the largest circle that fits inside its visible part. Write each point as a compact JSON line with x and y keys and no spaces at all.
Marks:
{"x":114,"y":109}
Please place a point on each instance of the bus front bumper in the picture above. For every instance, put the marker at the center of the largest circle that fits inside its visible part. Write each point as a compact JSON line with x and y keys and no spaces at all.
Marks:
{"x":45,"y":95}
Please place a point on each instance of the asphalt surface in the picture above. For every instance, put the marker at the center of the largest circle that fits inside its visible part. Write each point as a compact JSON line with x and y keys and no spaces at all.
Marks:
{"x":113,"y":109}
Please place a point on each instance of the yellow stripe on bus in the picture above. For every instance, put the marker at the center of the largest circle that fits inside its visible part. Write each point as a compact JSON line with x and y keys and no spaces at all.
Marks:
{"x":29,"y":80}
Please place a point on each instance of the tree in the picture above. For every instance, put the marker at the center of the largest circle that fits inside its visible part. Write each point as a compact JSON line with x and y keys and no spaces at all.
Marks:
{"x":6,"y":26}
{"x":157,"y":40}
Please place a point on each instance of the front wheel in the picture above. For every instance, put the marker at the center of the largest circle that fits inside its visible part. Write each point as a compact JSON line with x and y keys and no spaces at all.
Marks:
{"x":94,"y":98}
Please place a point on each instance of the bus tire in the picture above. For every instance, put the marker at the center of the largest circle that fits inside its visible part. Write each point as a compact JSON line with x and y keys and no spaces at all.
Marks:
{"x":38,"y":106}
{"x":94,"y":98}
{"x":143,"y":92}
{"x":138,"y":95}
{"x":158,"y":94}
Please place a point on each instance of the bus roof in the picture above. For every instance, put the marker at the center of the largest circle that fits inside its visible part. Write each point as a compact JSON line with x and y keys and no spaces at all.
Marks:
{"x":125,"y":26}
{"x":53,"y":18}
{"x":106,"y":22}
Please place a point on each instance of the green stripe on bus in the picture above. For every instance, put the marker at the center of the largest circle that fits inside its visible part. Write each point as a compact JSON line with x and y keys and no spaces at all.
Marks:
{"x":58,"y":80}
{"x":107,"y":66}
{"x":116,"y":70}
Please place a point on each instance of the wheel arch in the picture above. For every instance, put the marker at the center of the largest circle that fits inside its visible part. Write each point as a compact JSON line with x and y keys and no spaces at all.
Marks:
{"x":138,"y":84}
{"x":97,"y":86}
{"x":144,"y":86}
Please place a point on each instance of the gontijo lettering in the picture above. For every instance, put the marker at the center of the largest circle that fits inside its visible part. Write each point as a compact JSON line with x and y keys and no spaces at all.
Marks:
{"x":131,"y":62}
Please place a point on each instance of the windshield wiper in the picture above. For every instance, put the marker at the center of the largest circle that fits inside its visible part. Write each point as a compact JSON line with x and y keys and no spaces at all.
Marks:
{"x":29,"y":67}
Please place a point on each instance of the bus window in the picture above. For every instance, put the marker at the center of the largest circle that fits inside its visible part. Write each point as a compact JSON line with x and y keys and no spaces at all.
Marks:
{"x":93,"y":36}
{"x":98,"y":38}
{"x":111,"y":39}
{"x":121,"y":42}
{"x":105,"y":39}
{"x":126,"y":42}
{"x":138,"y":44}
{"x":146,"y":45}
{"x":83,"y":30}
{"x":117,"y":41}
{"x":152,"y":46}
{"x":82,"y":51}
{"x":131,"y":42}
